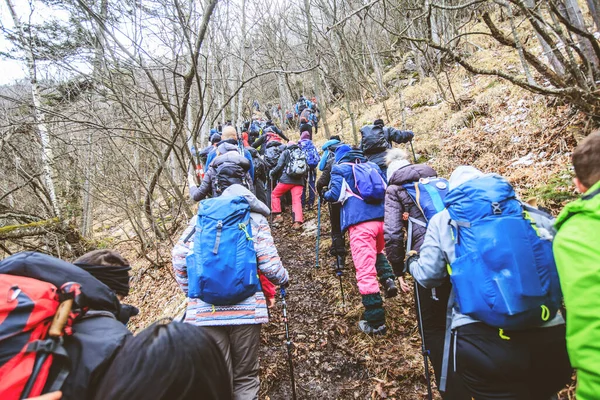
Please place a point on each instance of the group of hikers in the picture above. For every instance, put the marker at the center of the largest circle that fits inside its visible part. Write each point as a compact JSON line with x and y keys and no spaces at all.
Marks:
{"x":490,"y":274}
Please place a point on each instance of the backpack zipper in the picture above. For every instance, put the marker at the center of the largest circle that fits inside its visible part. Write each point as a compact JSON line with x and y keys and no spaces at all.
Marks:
{"x":219,"y":228}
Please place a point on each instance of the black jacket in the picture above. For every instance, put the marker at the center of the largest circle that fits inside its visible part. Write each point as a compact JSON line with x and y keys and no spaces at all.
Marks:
{"x":97,"y":336}
{"x":306,"y":127}
{"x":377,"y":139}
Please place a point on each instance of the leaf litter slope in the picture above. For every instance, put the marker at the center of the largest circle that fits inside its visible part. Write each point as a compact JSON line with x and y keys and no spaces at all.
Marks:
{"x":332,"y":358}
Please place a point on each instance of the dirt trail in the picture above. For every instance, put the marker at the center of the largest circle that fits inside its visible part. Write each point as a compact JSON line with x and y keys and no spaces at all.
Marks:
{"x":332,"y":358}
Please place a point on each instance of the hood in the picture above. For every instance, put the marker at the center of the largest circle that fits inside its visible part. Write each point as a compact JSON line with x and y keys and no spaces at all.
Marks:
{"x":395,"y":159}
{"x":46,"y":268}
{"x":341,"y":151}
{"x":305,"y":135}
{"x":411,"y":173}
{"x":329,"y":143}
{"x":463,"y":174}
{"x":226,"y":146}
{"x":350,"y":156}
{"x":256,"y":205}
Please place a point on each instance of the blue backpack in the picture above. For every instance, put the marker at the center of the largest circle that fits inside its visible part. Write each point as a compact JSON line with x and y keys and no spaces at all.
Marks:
{"x":368,"y":182}
{"x":428,"y":194}
{"x":504,"y":273}
{"x":222,"y":269}
{"x":312,"y":155}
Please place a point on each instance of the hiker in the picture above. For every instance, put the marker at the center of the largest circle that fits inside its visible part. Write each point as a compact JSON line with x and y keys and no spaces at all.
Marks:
{"x":305,"y":126}
{"x":290,"y":172}
{"x":377,"y":139}
{"x":399,"y":206}
{"x":362,"y":217}
{"x":96,"y":336}
{"x":254,"y":131}
{"x":230,"y":137}
{"x":508,"y":338}
{"x":110,"y":268}
{"x":225,"y":168}
{"x":338,"y":242}
{"x":312,"y":160}
{"x":289,"y":117}
{"x":577,"y":253}
{"x":168,"y":360}
{"x":235,"y":327}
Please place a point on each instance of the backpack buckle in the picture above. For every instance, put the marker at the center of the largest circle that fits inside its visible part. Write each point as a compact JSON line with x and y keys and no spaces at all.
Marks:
{"x":496,"y":210}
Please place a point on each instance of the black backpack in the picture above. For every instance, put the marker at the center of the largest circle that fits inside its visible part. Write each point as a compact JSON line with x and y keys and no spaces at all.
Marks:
{"x":229,"y":173}
{"x":373,"y":139}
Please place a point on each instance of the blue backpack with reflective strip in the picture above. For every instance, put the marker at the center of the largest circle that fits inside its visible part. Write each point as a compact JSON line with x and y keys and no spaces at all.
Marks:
{"x":428,"y":194}
{"x":504,"y":273}
{"x":222,"y":269}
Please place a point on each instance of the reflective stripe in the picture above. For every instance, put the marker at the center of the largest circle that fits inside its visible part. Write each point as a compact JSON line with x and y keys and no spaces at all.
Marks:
{"x":218,"y":240}
{"x":502,"y":335}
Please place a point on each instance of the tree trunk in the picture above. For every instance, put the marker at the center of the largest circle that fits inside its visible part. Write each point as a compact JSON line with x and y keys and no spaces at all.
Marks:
{"x":39,"y":116}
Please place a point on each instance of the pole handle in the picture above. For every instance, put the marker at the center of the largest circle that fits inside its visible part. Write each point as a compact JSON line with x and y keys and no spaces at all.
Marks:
{"x":60,"y":318}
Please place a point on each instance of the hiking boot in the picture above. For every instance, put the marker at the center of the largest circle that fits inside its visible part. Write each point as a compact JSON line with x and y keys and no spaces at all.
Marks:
{"x":278,"y":219}
{"x":297,"y":226}
{"x":390,"y":288}
{"x":369,"y":330}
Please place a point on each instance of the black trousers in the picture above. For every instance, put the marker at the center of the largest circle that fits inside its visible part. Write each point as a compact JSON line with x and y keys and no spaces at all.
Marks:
{"x":531,"y":365}
{"x":338,"y":244}
{"x":433,"y":314}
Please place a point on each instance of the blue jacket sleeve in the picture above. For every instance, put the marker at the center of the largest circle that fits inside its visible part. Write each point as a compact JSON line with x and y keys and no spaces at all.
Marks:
{"x":335,"y":186}
{"x":211,"y":156}
{"x":398,"y":136}
{"x":249,"y":158}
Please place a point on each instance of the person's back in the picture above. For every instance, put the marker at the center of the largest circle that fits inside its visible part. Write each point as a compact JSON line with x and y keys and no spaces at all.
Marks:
{"x":577,"y":252}
{"x":290,"y":179}
{"x":236,"y":327}
{"x":524,"y":355}
{"x":376,"y":139}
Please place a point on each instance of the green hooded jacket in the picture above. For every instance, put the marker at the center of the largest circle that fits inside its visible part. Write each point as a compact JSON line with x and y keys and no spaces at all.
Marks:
{"x":577,"y":254}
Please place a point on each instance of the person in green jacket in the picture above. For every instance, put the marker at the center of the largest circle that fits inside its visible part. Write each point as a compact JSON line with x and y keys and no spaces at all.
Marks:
{"x":577,"y":254}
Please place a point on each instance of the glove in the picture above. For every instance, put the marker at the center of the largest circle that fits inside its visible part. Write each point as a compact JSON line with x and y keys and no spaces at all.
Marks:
{"x":322,"y":191}
{"x":411,"y":257}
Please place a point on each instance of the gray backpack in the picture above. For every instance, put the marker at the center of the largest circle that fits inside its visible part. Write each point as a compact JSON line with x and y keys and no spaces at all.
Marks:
{"x":297,"y":165}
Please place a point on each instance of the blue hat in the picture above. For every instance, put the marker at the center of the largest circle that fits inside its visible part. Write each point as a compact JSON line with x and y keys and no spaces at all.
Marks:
{"x":329,"y":143}
{"x":341,"y":151}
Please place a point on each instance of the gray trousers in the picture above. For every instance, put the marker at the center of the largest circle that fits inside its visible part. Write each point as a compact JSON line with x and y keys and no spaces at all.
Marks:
{"x":239,"y":345}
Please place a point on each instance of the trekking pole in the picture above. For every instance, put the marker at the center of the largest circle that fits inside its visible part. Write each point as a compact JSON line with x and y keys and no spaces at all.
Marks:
{"x":270,"y":200}
{"x":339,"y":273}
{"x":413,"y":151}
{"x":424,"y":350}
{"x":318,"y":231}
{"x":288,"y":342}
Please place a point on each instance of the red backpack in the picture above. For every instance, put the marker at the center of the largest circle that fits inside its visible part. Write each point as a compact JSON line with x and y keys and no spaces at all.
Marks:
{"x":34,"y":315}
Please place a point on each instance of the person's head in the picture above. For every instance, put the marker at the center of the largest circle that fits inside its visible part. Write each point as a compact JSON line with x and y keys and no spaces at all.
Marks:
{"x":335,"y":137}
{"x":586,"y":160}
{"x":167,"y":361}
{"x":341,"y":151}
{"x":463,"y":174}
{"x":109,"y":267}
{"x":378,"y":122}
{"x":215,"y":138}
{"x":301,"y":98}
{"x":228,"y":133}
{"x":303,"y":120}
{"x":305,"y":135}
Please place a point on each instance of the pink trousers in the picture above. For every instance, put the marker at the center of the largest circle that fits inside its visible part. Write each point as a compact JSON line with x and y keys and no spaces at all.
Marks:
{"x":366,"y":241}
{"x":280,"y":190}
